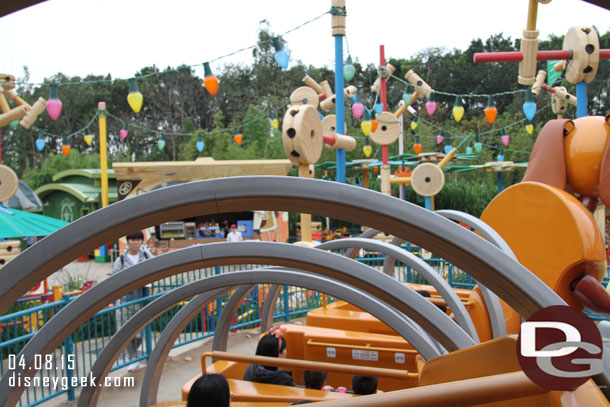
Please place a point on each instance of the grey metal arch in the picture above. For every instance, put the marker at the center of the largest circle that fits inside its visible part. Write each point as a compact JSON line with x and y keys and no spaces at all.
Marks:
{"x":223,"y":324}
{"x":523,"y":291}
{"x":444,"y":289}
{"x":348,"y":271}
{"x":494,"y":308}
{"x":367,"y":234}
{"x":126,"y":333}
{"x":268,"y":308}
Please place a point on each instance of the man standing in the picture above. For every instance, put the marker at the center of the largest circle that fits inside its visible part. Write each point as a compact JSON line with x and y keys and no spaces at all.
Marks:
{"x":134,"y":255}
{"x":234,"y":235}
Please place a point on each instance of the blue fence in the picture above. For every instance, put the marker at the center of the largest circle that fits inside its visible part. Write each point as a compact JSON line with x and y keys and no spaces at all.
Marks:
{"x":88,"y":340}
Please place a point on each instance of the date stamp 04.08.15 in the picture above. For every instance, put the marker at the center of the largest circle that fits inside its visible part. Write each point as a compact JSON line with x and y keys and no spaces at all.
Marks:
{"x":58,"y":373}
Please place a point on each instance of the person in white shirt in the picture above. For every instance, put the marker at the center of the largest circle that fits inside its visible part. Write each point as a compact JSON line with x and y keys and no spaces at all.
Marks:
{"x":134,"y":255}
{"x":234,"y":235}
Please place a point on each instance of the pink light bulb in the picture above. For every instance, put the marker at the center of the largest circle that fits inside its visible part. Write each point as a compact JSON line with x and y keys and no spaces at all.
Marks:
{"x":430,"y":108}
{"x":439,"y":139}
{"x":53,"y":104}
{"x":357,"y":110}
{"x":505,"y":139}
{"x":123,"y":134}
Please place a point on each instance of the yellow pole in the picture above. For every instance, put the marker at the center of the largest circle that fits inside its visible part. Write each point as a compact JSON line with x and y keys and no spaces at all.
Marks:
{"x":532,"y":15}
{"x":103,"y":152}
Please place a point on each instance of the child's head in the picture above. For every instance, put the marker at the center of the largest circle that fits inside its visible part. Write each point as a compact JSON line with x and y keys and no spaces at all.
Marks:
{"x":314,"y":380}
{"x":210,"y":390}
{"x":364,"y":385}
{"x":270,"y":345}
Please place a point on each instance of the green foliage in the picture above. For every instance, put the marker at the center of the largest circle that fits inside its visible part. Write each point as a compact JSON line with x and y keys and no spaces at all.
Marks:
{"x":56,"y":163}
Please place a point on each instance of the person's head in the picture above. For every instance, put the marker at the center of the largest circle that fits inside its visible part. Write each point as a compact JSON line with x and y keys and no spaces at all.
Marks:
{"x":210,"y":390}
{"x":364,"y":385}
{"x":233,"y":228}
{"x":270,"y":345}
{"x":134,"y":241}
{"x":314,"y":380}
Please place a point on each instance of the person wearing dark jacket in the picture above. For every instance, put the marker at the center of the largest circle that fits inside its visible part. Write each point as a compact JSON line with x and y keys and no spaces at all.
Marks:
{"x":272,"y":346}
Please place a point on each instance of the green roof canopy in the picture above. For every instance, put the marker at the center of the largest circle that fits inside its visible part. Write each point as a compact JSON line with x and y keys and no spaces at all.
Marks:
{"x":16,"y":223}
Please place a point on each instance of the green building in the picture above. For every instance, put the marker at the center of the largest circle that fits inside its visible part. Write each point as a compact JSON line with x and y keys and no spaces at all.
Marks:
{"x":75,"y":193}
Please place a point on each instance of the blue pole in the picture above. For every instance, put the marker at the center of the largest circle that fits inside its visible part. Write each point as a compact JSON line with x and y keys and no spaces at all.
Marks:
{"x":339,"y":104}
{"x":581,"y":97}
{"x":428,"y":203}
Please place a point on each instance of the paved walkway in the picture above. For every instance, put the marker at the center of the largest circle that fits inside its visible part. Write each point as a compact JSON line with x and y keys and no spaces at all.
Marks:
{"x":182,"y":364}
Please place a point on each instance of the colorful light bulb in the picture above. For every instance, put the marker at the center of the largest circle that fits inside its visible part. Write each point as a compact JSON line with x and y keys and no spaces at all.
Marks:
{"x":65,"y":147}
{"x":414,"y":122}
{"x":431,"y":104}
{"x":14,"y":124}
{"x":469,"y":149}
{"x":500,"y":156}
{"x":458,"y":109}
{"x":366,"y":127}
{"x":374,"y":124}
{"x":348,"y":69}
{"x":280,"y":56}
{"x":491,"y":111}
{"x":88,"y":139}
{"x":53,"y":104}
{"x":529,"y":127}
{"x":238,"y":139}
{"x":505,"y":138}
{"x":367,"y":149}
{"x":408,"y":95}
{"x":417,"y":146}
{"x":200,"y":144}
{"x":478,"y":146}
{"x":123,"y":133}
{"x":378,"y":108}
{"x":440,"y":138}
{"x":448,"y":147}
{"x":40,"y":143}
{"x":134,"y":98}
{"x":210,"y":81}
{"x":529,"y":107}
{"x":161,"y":142}
{"x":357,"y":108}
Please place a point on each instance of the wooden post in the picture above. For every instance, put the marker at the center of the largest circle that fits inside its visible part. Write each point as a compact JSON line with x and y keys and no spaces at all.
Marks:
{"x":305,"y":217}
{"x":103,"y":153}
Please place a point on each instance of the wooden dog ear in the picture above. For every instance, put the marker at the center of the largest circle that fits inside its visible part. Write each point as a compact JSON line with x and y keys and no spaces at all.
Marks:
{"x":604,"y":174}
{"x":547,"y":162}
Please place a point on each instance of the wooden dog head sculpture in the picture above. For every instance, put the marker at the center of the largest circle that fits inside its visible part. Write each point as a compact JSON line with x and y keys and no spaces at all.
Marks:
{"x":576,"y":154}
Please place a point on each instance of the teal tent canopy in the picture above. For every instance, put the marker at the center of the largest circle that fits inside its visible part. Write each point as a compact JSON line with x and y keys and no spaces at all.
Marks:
{"x":15,"y":223}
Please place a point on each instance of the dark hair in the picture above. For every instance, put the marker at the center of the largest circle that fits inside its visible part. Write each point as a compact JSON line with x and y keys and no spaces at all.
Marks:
{"x":364,"y":385}
{"x":423,"y":293}
{"x":314,"y":380}
{"x":269,"y":346}
{"x":210,"y":390}
{"x":135,"y":236}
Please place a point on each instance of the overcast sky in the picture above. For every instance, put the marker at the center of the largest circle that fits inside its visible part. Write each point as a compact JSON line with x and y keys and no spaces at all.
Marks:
{"x":80,"y":37}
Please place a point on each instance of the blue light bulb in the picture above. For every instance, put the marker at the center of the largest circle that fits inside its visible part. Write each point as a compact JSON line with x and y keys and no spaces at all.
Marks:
{"x":529,"y":107}
{"x":200,"y":145}
{"x":378,"y":108}
{"x":448,"y":148}
{"x":40,"y":143}
{"x":281,"y":57}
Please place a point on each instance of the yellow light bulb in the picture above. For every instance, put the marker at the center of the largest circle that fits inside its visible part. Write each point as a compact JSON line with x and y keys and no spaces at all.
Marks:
{"x":529,"y":128}
{"x":88,"y":139}
{"x":275,"y":124}
{"x":134,"y":98}
{"x":366,"y":127}
{"x":368,"y":150}
{"x":458,"y":113}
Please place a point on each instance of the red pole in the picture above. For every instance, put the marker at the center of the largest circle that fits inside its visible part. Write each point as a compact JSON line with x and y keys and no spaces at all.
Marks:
{"x":515,"y":56}
{"x":383,"y":99}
